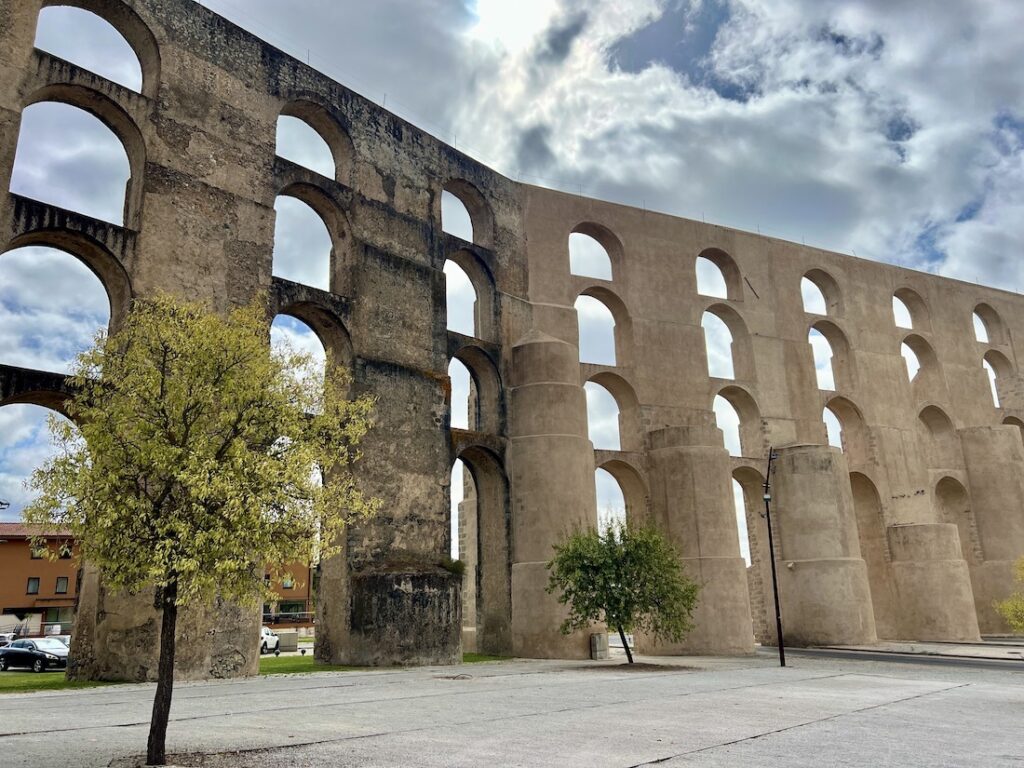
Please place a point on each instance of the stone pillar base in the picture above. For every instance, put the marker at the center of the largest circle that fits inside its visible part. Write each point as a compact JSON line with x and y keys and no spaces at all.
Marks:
{"x":721,"y":620}
{"x":404,"y":618}
{"x":537,"y":617}
{"x":116,"y":637}
{"x":826,"y":602}
{"x":933,"y":585}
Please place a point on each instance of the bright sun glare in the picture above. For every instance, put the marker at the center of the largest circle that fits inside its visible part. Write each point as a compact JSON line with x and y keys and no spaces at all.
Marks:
{"x":513,"y":25}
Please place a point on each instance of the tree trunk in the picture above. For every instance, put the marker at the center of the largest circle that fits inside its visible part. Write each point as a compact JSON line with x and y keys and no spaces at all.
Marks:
{"x":622,"y":637}
{"x":157,"y":753}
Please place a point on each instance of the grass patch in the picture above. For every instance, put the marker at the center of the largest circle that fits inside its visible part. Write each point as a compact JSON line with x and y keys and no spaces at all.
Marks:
{"x":477,"y":658}
{"x":291,"y":665}
{"x":30,"y":682}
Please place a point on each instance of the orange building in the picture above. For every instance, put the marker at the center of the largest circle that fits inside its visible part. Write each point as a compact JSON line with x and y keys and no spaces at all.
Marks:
{"x":293,"y":587}
{"x":37,"y":594}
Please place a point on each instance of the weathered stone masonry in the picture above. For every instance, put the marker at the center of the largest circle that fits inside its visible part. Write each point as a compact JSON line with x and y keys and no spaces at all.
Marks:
{"x":908,"y":532}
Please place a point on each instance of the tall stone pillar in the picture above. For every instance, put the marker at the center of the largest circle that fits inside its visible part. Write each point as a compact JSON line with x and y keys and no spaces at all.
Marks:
{"x":995,"y":474}
{"x":932,"y":584}
{"x":551,"y":470}
{"x":691,"y":501}
{"x":823,"y":582}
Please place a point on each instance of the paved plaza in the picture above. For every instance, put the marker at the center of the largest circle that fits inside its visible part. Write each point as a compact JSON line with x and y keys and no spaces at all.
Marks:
{"x":817,"y":712}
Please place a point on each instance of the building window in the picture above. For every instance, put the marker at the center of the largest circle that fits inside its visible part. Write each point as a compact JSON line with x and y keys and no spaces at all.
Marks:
{"x":65,"y":551}
{"x":37,"y":552}
{"x":288,"y":583}
{"x":62,"y":585}
{"x":33,"y":586}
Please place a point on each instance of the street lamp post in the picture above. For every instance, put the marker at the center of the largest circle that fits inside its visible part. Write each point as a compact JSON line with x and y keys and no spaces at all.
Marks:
{"x":771,"y":555}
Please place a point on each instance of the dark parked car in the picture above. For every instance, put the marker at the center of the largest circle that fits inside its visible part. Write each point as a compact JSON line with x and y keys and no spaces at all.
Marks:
{"x":38,"y":654}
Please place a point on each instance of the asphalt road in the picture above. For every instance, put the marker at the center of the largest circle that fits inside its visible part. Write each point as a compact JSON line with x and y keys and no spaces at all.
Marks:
{"x":819,"y":711}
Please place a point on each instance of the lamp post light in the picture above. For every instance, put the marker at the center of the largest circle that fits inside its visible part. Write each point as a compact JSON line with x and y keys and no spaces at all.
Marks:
{"x":771,"y":555}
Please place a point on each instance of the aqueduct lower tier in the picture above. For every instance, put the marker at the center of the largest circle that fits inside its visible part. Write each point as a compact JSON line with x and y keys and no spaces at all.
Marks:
{"x":907,"y":531}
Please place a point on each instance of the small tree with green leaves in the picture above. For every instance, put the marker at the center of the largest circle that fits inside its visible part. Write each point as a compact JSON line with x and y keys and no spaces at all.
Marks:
{"x":200,"y":456}
{"x":1012,"y":608}
{"x":628,"y":578}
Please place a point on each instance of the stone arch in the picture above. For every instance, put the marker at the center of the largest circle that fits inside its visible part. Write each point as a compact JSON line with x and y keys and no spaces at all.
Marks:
{"x":24,"y":430}
{"x":841,"y":361}
{"x":479,"y":210}
{"x":588,"y":258}
{"x":335,"y":221}
{"x":107,"y":267}
{"x":1000,"y":371}
{"x":118,"y":122}
{"x":631,"y":432}
{"x":488,"y":558}
{"x":329,"y":329}
{"x":856,"y":440}
{"x":338,"y":142}
{"x":634,"y":487}
{"x":939,"y":439}
{"x":742,"y":350}
{"x":917,"y":309}
{"x":622,"y":330}
{"x":118,"y":63}
{"x":874,"y":549}
{"x":991,"y":322}
{"x":485,"y":319}
{"x":953,"y":506}
{"x":132,"y":28}
{"x":727,"y":268}
{"x":751,"y":434}
{"x":827,"y":286}
{"x":928,"y":377}
{"x":608,"y":240}
{"x":52,"y":306}
{"x":748,"y":498}
{"x":1013,"y":421}
{"x":487,"y":402}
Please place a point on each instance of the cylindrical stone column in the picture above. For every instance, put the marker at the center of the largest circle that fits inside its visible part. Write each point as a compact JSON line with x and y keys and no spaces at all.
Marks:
{"x":995,"y":473}
{"x":932,"y":584}
{"x":692,"y":503}
{"x":823,"y":581}
{"x":551,"y":471}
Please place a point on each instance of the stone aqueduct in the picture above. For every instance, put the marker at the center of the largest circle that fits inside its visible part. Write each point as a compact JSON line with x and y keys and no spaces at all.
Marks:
{"x":908,"y":531}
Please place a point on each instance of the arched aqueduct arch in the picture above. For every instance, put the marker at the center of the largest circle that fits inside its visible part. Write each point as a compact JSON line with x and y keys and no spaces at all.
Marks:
{"x":729,"y":269}
{"x":119,"y":122}
{"x":844,"y":370}
{"x":132,"y":28}
{"x":107,"y":267}
{"x":490,"y":565}
{"x":634,"y":486}
{"x":480,"y":212}
{"x":489,"y":406}
{"x":742,"y":344}
{"x":920,"y":317}
{"x":751,"y":430}
{"x":607,"y":239}
{"x":330,"y":130}
{"x":338,"y":228}
{"x":485,"y":313}
{"x":631,"y":432}
{"x":623,"y":322}
{"x":993,"y":323}
{"x":830,"y":290}
{"x":856,"y":435}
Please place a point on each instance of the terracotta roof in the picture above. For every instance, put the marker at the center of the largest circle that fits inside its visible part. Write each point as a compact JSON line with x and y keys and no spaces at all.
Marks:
{"x":22,"y":531}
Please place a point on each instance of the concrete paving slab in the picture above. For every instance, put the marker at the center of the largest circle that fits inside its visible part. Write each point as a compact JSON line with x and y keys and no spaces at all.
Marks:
{"x":534,"y":713}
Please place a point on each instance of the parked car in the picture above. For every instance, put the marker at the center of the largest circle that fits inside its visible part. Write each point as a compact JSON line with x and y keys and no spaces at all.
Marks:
{"x":6,"y":638}
{"x":37,"y":654}
{"x":66,"y":639}
{"x":269,"y":641}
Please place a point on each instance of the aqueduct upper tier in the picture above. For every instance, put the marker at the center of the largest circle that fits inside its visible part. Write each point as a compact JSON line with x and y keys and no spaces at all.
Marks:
{"x":901,"y":522}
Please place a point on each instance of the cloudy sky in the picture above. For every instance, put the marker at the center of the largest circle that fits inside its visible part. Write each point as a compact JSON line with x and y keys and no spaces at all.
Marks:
{"x":887,"y":128}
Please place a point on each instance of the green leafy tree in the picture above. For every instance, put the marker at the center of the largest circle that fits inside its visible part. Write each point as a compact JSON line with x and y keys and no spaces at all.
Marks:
{"x":198,"y":458}
{"x":1012,"y":608}
{"x":627,"y":578}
